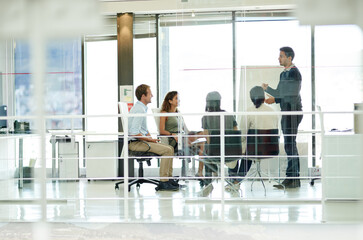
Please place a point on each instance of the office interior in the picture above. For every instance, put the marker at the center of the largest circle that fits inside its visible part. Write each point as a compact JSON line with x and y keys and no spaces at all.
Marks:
{"x":61,"y":81}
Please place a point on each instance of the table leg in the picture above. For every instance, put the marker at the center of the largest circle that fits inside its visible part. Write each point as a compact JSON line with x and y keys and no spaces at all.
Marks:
{"x":21,"y":181}
{"x":53,"y":158}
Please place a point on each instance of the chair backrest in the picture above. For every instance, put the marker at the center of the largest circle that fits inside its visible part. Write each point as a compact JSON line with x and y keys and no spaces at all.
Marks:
{"x":122,"y":109}
{"x":163,"y":140}
{"x":232,"y":145}
{"x":321,"y":118}
{"x":157,"y":119}
{"x":263,"y":142}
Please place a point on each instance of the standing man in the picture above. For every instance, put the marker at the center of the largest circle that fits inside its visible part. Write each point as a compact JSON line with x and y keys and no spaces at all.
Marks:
{"x":139,"y":134}
{"x":287,"y":94}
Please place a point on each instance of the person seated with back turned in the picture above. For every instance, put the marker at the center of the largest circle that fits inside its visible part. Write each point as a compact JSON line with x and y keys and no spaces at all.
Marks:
{"x":212,"y":123}
{"x":257,"y":95}
{"x":138,"y":133}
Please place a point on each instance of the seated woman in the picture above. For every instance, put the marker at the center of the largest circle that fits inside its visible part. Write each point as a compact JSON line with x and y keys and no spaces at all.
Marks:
{"x":257,"y":96}
{"x":169,"y":125}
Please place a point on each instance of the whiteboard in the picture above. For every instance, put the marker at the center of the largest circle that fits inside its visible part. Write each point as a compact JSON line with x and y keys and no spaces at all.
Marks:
{"x":254,"y":76}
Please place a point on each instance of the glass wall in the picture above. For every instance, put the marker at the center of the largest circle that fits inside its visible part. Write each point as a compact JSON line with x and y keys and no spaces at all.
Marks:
{"x":338,"y":73}
{"x":257,"y":48}
{"x":196,"y":58}
{"x":63,"y":84}
{"x":145,"y":68}
{"x":193,"y":55}
{"x":101,"y":88}
{"x":258,"y":41}
{"x":63,"y":92}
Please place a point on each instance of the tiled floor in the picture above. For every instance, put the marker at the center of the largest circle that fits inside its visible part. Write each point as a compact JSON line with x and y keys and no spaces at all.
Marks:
{"x":178,"y":231}
{"x":98,"y":201}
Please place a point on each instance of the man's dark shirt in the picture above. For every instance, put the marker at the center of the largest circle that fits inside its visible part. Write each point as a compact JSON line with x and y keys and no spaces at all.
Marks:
{"x":287,"y":92}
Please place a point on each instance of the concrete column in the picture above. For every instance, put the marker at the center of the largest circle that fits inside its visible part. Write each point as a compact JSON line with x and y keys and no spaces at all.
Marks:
{"x":125,"y":66}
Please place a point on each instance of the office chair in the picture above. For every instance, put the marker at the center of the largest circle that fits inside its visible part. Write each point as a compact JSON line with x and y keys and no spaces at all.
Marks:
{"x":232,"y":149}
{"x":322,"y":137}
{"x":140,"y":157}
{"x":261,"y":144}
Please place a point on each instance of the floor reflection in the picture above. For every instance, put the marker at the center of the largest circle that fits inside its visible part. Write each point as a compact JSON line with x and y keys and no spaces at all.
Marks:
{"x":97,"y":201}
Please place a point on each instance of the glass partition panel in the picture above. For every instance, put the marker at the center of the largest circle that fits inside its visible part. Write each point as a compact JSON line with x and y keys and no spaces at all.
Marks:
{"x":195,"y":59}
{"x":198,"y":60}
{"x":338,"y":59}
{"x":258,"y":41}
{"x":63,"y":82}
{"x":145,"y":61}
{"x":258,"y":44}
{"x":101,"y":87}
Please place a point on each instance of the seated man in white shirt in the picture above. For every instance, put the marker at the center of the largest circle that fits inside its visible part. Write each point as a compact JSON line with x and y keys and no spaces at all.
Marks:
{"x":138,"y":132}
{"x":257,"y":96}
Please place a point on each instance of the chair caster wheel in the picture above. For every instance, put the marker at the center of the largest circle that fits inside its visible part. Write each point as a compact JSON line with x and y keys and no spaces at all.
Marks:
{"x":138,"y":185}
{"x":116,"y":188}
{"x":157,"y":189}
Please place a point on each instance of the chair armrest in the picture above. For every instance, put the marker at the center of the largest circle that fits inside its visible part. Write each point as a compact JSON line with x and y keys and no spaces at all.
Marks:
{"x":144,"y":153}
{"x":148,"y":145}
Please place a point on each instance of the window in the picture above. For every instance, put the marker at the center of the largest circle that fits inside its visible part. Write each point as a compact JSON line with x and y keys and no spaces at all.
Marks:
{"x":63,"y":82}
{"x":198,"y":60}
{"x":101,"y":88}
{"x":338,"y":72}
{"x":258,"y":45}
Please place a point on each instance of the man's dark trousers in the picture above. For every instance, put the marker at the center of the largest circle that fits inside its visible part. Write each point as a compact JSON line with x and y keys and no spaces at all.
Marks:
{"x":289,"y":125}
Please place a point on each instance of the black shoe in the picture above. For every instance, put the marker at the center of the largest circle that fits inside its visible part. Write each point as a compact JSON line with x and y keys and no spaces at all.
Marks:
{"x":288,"y":183}
{"x":175,"y":183}
{"x":294,"y":183}
{"x":281,"y":185}
{"x":166,"y":186}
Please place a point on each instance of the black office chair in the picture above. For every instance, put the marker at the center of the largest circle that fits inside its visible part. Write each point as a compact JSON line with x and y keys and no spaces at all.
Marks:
{"x":232,"y":149}
{"x":141,"y":157}
{"x":262,"y":144}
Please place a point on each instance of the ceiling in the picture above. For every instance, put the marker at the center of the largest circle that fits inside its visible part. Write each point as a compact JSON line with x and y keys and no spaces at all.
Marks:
{"x":112,"y":7}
